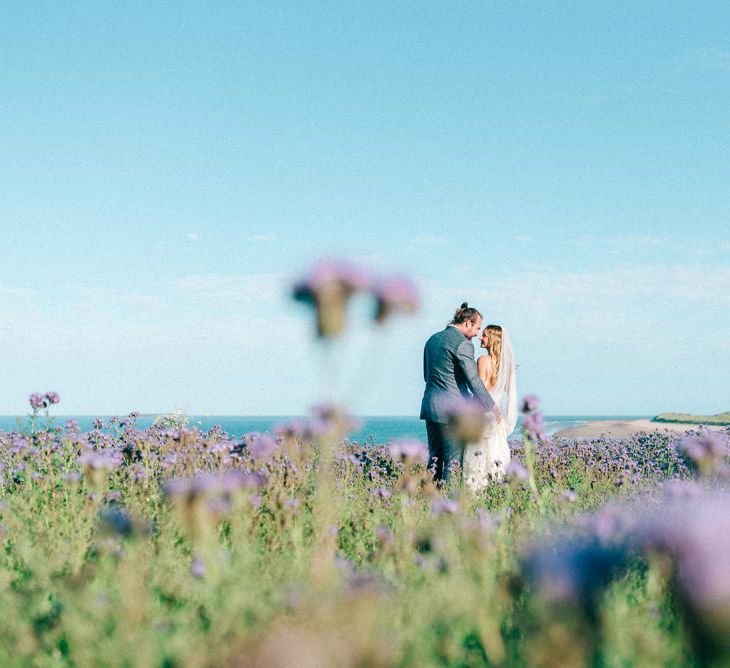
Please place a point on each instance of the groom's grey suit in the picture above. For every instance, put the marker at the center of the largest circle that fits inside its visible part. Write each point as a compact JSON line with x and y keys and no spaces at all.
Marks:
{"x":450,"y":371}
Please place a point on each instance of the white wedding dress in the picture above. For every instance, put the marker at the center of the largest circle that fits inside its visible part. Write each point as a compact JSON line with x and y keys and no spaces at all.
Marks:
{"x":486,"y":460}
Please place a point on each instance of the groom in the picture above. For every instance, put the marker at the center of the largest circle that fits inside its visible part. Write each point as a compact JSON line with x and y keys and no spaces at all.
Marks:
{"x":450,"y":371}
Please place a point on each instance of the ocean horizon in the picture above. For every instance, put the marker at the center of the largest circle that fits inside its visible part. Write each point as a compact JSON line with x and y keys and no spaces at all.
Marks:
{"x":371,"y":428}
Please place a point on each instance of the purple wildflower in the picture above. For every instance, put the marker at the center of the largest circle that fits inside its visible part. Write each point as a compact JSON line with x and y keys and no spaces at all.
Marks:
{"x":328,"y":288}
{"x":385,"y":537}
{"x":610,"y":524}
{"x":219,"y":506}
{"x":530,"y":404}
{"x":296,"y":430}
{"x":262,"y":447}
{"x":333,"y":420}
{"x":681,"y":489}
{"x":444,"y":506}
{"x":533,"y":423}
{"x":394,"y":294}
{"x":568,"y":496}
{"x":52,"y":397}
{"x":468,"y":418}
{"x":37,"y":401}
{"x":292,"y":504}
{"x":204,"y":484}
{"x":114,"y":521}
{"x":97,"y":462}
{"x":409,"y":450}
{"x":574,"y":573}
{"x":221,"y":447}
{"x":695,"y":534}
{"x":516,"y":471}
{"x":198,"y":569}
{"x":706,"y":452}
{"x":486,"y":521}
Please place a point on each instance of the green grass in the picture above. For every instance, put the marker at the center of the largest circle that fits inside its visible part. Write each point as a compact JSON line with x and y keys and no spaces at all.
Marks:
{"x":721,"y":419}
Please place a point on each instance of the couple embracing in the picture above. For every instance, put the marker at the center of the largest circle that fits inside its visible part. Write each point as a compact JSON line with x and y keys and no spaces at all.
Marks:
{"x":451,"y":372}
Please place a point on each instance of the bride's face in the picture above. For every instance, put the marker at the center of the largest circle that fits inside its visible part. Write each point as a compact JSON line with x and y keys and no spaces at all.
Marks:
{"x":484,"y":339}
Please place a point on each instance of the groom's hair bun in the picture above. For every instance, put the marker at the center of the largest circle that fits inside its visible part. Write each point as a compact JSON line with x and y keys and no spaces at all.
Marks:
{"x":465,"y":313}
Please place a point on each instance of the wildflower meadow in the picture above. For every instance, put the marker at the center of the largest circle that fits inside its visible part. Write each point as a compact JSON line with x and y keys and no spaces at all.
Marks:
{"x":169,"y":546}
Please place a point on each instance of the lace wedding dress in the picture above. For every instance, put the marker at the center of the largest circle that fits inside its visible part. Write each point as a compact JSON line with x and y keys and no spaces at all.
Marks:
{"x":486,"y":460}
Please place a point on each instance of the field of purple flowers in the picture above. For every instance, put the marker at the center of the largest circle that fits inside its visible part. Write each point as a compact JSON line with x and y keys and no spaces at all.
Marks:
{"x":172,"y":547}
{"x":169,"y":547}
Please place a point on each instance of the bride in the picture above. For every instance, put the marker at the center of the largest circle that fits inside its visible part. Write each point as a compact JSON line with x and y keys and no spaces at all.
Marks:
{"x":487,"y":459}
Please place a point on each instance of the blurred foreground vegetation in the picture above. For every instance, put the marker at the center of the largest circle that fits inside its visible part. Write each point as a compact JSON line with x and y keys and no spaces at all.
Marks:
{"x":170,"y":547}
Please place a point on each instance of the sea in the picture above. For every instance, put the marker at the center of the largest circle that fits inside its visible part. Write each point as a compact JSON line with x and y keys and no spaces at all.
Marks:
{"x":371,"y":429}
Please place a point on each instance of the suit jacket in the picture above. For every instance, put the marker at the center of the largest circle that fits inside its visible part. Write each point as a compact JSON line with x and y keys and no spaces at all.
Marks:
{"x":449,"y":370}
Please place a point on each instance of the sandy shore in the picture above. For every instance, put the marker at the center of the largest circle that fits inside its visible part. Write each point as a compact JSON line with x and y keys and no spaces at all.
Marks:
{"x":623,"y":428}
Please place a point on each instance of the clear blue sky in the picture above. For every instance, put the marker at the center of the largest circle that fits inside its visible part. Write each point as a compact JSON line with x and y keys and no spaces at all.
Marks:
{"x":169,"y":167}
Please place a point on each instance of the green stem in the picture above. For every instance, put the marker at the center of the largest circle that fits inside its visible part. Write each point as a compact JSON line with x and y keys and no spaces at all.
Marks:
{"x":530,"y":464}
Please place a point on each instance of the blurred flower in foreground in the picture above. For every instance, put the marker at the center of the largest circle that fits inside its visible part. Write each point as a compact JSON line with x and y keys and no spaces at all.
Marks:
{"x":394,"y":294}
{"x":567,"y":496}
{"x":687,"y":537}
{"x":533,"y":423}
{"x":409,"y":450}
{"x":681,"y":489}
{"x":574,"y":573}
{"x":695,"y":534}
{"x":444,"y":507}
{"x":328,"y":288}
{"x":114,"y":521}
{"x":530,"y":404}
{"x":262,"y":447}
{"x":198,"y":569}
{"x":202,"y":484}
{"x":533,"y":431}
{"x":706,"y":452}
{"x":97,"y":467}
{"x":202,"y":500}
{"x":331,"y":421}
{"x":294,"y":430}
{"x":331,"y":284}
{"x":97,"y":462}
{"x":467,"y":418}
{"x":515,"y":471}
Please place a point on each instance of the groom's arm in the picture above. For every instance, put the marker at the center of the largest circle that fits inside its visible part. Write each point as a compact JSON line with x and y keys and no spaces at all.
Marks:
{"x":465,"y":359}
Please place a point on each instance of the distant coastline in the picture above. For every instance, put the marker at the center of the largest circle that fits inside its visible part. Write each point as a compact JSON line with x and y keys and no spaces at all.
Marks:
{"x":721,"y":419}
{"x":660,"y":423}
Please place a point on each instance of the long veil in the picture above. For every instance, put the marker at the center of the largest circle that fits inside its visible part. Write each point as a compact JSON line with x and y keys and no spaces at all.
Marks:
{"x":505,"y":389}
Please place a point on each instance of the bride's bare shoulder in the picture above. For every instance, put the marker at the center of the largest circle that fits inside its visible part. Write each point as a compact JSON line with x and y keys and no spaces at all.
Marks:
{"x":484,"y":363}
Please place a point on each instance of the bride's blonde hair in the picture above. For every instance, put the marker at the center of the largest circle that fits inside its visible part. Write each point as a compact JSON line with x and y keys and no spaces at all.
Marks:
{"x":494,"y":338}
